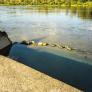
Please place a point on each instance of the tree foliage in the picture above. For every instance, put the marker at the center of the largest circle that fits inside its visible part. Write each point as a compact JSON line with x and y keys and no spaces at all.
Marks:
{"x":39,"y":2}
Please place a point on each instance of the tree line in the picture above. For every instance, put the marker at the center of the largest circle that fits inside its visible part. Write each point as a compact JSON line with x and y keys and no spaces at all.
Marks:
{"x":41,"y":2}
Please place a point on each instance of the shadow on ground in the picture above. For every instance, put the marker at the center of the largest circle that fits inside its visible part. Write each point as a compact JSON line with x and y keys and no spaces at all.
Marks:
{"x":69,"y":71}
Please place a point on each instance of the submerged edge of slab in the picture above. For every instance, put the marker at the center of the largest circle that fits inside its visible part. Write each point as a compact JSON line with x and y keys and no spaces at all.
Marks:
{"x":16,"y":77}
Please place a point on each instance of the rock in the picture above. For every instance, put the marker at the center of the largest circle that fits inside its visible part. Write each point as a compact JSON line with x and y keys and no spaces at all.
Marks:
{"x":33,"y":42}
{"x":45,"y":44}
{"x":28,"y":42}
{"x":5,"y":44}
{"x":25,"y":42}
{"x":53,"y":45}
{"x":60,"y":46}
{"x":42,"y":44}
{"x":68,"y":48}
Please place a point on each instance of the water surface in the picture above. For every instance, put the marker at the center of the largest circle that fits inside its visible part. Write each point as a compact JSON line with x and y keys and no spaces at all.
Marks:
{"x":58,"y":64}
{"x":70,"y":26}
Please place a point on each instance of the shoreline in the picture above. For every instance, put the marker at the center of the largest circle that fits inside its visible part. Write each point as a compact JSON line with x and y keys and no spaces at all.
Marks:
{"x":59,"y":64}
{"x":46,"y":5}
{"x":74,"y":53}
{"x":71,"y":54}
{"x":27,"y":79}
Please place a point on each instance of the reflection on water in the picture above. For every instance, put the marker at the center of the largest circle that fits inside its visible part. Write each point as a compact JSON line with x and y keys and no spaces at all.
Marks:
{"x":71,"y":26}
{"x":82,"y":12}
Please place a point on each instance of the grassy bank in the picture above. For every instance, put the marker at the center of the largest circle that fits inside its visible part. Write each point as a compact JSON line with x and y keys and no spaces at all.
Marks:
{"x":86,"y":4}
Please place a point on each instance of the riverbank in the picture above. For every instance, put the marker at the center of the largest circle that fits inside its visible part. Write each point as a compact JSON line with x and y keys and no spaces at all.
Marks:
{"x":87,"y":4}
{"x":18,"y":77}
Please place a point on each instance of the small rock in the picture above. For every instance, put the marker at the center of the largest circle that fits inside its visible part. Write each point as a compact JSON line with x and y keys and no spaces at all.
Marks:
{"x":60,"y":46}
{"x":45,"y":44}
{"x":33,"y":42}
{"x":68,"y":48}
{"x":25,"y":42}
{"x":53,"y":45}
{"x":40,"y":44}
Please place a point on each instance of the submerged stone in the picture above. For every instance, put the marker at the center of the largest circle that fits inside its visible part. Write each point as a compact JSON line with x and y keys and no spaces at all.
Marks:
{"x":28,"y":42}
{"x":42,"y":44}
{"x":45,"y":44}
{"x":53,"y":45}
{"x":60,"y":46}
{"x":68,"y":48}
{"x":25,"y":42}
{"x":32,"y":42}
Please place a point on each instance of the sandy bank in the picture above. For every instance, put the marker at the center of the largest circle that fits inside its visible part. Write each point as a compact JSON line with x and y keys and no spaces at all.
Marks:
{"x":16,"y":77}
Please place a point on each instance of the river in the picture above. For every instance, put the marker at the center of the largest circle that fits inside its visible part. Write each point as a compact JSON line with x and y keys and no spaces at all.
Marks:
{"x":70,"y":26}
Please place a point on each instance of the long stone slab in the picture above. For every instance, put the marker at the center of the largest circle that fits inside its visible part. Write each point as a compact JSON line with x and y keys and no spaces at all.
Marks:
{"x":16,"y":77}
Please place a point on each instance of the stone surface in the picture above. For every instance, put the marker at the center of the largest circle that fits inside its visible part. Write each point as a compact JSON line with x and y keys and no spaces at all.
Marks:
{"x":16,"y":77}
{"x":4,"y":40}
{"x":42,"y":44}
{"x":5,"y":43}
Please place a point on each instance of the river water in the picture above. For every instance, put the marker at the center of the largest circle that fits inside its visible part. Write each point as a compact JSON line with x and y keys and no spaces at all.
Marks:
{"x":70,"y":26}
